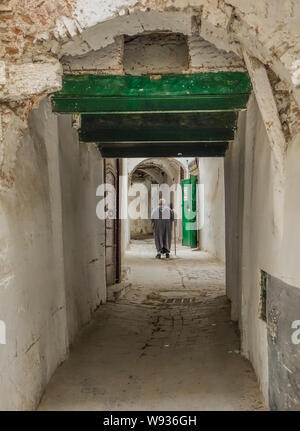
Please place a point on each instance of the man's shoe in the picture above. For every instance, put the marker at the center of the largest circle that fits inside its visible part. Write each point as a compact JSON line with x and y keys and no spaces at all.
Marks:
{"x":167,"y":255}
{"x":158,"y":256}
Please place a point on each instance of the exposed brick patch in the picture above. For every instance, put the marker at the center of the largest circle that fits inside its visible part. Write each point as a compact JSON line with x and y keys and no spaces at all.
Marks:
{"x":288,"y":110}
{"x":11,"y":50}
{"x":25,"y":19}
{"x":12,"y":127}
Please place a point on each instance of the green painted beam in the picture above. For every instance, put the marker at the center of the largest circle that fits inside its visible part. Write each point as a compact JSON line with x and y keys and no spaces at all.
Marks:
{"x":162,"y":149}
{"x":116,"y":105}
{"x":168,"y":115}
{"x":170,"y":93}
{"x":205,"y":127}
{"x":156,"y":85}
{"x":156,"y":135}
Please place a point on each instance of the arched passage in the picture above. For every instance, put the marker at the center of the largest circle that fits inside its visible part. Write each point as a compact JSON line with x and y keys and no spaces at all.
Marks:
{"x":153,"y":172}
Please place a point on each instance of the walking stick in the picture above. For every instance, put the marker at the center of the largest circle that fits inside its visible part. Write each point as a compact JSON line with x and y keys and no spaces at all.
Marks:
{"x":175,"y":236}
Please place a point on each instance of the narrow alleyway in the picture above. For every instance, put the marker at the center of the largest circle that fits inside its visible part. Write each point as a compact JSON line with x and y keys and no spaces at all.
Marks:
{"x":168,"y":343}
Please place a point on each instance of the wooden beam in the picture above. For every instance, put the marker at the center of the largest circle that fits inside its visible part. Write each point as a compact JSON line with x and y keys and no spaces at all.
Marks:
{"x":170,"y":93}
{"x":159,"y":127}
{"x":162,"y":149}
{"x":131,"y":105}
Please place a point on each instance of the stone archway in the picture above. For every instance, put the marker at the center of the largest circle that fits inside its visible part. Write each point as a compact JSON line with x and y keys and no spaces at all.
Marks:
{"x":162,"y":163}
{"x":31,"y":66}
{"x":149,"y":171}
{"x":229,"y":25}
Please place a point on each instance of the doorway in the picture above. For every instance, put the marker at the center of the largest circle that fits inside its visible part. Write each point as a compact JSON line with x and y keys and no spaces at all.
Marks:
{"x":112,"y":224}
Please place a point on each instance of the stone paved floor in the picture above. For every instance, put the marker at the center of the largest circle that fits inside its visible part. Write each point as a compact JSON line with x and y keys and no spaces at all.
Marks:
{"x":167,"y":344}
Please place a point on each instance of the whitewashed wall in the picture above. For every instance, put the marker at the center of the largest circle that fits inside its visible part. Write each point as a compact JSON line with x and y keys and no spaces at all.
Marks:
{"x":212,"y":234}
{"x":260,"y":244}
{"x":52,"y":274}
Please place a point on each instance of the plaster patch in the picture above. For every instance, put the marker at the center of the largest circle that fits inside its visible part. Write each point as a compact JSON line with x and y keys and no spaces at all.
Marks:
{"x":104,"y":33}
{"x":12,"y":129}
{"x":6,"y":270}
{"x":108,"y":59}
{"x":30,"y":79}
{"x":204,"y":56}
{"x":156,"y":53}
{"x":5,"y":281}
{"x":296,"y":73}
{"x":2,"y":73}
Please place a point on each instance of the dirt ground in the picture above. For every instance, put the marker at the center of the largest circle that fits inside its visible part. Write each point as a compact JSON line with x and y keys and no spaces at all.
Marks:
{"x":167,"y":344}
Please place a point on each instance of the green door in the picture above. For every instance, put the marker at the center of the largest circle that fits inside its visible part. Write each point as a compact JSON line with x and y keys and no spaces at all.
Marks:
{"x":189,"y":224}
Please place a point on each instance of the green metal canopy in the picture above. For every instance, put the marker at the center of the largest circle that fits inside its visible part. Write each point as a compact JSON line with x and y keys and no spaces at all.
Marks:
{"x":160,"y":115}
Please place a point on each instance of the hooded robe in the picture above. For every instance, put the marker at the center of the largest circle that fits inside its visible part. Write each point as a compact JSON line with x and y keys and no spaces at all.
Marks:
{"x":162,"y":218}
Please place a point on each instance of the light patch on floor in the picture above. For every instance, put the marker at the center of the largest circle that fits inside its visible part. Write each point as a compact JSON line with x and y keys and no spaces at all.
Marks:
{"x":145,"y":353}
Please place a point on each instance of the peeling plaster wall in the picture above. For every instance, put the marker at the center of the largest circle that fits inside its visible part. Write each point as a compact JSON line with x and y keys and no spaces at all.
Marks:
{"x":106,"y":60}
{"x":52,"y":275}
{"x":106,"y":29}
{"x":261,"y":244}
{"x":22,"y":20}
{"x":32,"y":295}
{"x":83,"y":233}
{"x":205,"y":57}
{"x":212,"y":235}
{"x":158,"y":52}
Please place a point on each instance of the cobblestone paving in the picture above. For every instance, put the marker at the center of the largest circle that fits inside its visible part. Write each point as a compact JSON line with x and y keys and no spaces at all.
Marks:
{"x":168,"y":343}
